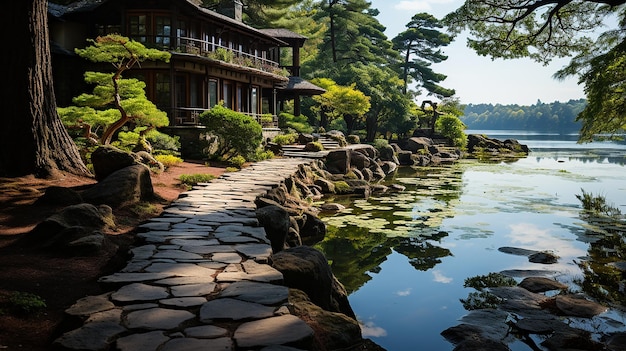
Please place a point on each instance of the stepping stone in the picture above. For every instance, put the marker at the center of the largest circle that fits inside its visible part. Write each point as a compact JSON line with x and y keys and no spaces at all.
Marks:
{"x":194,"y":242}
{"x":232,"y":309}
{"x":139,"y":292}
{"x":145,"y":341}
{"x":258,"y":252}
{"x":143,"y":252}
{"x":183,"y":301}
{"x":117,"y":278}
{"x":578,"y":307}
{"x":90,"y":305}
{"x":181,"y":269}
{"x":176,"y":254}
{"x":272,"y":331}
{"x":155,"y":226}
{"x":267,"y":294}
{"x":157,"y":319}
{"x":186,"y":280}
{"x":205,"y":250}
{"x":205,"y":332}
{"x":92,"y":336}
{"x":541,"y":284}
{"x":189,"y":344}
{"x":226,"y":257}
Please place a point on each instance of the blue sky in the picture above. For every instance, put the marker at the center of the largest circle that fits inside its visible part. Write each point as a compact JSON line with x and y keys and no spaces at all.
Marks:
{"x":480,"y":79}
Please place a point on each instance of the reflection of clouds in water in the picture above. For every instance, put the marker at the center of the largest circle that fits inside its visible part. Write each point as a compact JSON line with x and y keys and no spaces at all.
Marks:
{"x":440,"y":278}
{"x":406,"y":292}
{"x":369,"y":329}
{"x":535,"y":238}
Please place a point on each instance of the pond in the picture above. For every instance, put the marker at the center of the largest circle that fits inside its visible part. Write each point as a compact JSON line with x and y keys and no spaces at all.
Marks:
{"x":404,"y":256}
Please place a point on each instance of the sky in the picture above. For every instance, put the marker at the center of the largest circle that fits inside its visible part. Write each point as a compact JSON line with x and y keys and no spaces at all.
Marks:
{"x":478,"y":79}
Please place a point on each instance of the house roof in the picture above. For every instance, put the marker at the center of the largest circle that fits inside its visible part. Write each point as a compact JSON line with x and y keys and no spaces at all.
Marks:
{"x":285,"y":35}
{"x":300,"y":86}
{"x":90,"y":5}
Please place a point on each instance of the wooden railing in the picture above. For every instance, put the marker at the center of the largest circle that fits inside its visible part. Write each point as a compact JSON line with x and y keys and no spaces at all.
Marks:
{"x":189,"y":116}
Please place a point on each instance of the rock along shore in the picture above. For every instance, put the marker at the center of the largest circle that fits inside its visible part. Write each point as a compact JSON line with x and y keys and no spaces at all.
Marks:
{"x":200,"y":280}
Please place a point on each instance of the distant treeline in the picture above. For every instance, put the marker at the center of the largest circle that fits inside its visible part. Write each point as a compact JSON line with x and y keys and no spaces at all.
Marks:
{"x":553,"y":117}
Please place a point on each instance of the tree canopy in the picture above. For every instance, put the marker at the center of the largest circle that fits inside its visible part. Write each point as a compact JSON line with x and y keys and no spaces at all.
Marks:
{"x":419,"y":44}
{"x":545,"y":29}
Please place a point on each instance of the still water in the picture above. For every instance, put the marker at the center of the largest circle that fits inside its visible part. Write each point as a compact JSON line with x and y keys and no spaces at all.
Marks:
{"x":404,"y":256}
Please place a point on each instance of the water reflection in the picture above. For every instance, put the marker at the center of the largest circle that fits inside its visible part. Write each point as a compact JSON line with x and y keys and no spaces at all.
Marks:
{"x":403,"y":256}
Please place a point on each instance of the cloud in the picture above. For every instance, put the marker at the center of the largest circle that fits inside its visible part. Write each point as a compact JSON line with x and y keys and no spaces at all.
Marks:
{"x":405,"y":292}
{"x":418,"y":5}
{"x":368,"y":329}
{"x":440,"y":278}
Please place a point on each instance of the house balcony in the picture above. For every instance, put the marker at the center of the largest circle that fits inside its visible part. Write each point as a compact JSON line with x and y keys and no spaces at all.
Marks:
{"x":189,"y":117}
{"x":229,"y":55}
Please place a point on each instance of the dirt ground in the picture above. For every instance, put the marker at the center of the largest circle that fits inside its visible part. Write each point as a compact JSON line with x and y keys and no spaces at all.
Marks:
{"x":62,"y":280}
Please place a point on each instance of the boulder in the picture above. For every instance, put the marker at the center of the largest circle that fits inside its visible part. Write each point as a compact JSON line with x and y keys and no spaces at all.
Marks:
{"x":359,"y":160}
{"x":77,"y":230}
{"x":405,"y":158}
{"x":108,"y":159}
{"x":541,"y":284}
{"x":338,"y":161}
{"x":387,"y":153}
{"x":307,"y":269}
{"x":416,"y":144}
{"x":334,"y":331}
{"x":389,"y":167}
{"x":276,"y":221}
{"x":305,"y":139}
{"x":123,"y":187}
{"x":578,"y":306}
{"x":326,"y":187}
{"x":313,"y":229}
{"x":58,"y":195}
{"x":543,"y":257}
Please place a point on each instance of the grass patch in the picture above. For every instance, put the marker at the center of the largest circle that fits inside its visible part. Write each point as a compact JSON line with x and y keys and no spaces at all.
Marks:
{"x":190,"y":180}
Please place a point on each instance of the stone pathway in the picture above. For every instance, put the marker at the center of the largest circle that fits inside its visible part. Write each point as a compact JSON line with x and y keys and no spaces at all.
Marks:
{"x":201,"y":279}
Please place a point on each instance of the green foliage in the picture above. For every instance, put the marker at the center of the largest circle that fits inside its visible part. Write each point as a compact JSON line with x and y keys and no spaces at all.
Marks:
{"x":168,"y":160}
{"x":26,"y":303}
{"x":539,"y":30}
{"x":285,"y":139}
{"x":339,"y":101}
{"x":237,"y":161}
{"x":341,"y":187}
{"x":237,"y":133}
{"x":603,"y":72}
{"x":193,"y":179}
{"x":231,"y":169}
{"x":452,"y":128}
{"x":480,"y":300}
{"x":555,"y":117}
{"x":314,"y":146}
{"x":261,"y":155}
{"x":353,"y":139}
{"x":298,"y":123}
{"x":114,"y":101}
{"x":420,"y":46}
{"x":490,"y":280}
{"x":380,"y":143}
{"x":596,"y":204}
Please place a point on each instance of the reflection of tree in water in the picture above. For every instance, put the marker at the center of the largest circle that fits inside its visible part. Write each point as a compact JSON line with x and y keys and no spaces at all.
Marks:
{"x":352,"y":252}
{"x":422,"y":254}
{"x":605,"y":270}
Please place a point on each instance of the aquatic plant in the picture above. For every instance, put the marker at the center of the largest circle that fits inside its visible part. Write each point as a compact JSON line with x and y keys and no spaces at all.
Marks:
{"x":597,"y":205}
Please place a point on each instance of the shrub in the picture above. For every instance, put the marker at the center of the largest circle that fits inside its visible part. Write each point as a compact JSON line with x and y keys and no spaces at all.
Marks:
{"x":314,"y":146}
{"x":285,"y":139}
{"x":353,"y":139}
{"x":298,"y":123}
{"x":237,"y":161}
{"x":168,"y":160}
{"x":237,"y":134}
{"x":261,"y":155}
{"x":193,"y":179}
{"x":231,"y":169}
{"x":26,"y":303}
{"x":596,"y":204}
{"x":380,"y":143}
{"x":452,"y":128}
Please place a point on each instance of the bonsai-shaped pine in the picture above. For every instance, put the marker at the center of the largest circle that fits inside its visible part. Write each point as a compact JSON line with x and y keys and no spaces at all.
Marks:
{"x":115,"y":101}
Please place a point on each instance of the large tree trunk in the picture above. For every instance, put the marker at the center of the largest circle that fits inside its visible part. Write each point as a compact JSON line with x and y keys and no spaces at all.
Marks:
{"x":32,"y":138}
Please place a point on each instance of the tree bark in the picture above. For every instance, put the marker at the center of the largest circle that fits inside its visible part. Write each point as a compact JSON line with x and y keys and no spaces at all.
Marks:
{"x":32,"y":138}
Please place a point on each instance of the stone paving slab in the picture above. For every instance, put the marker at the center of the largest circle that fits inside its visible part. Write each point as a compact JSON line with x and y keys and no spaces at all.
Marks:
{"x":201,"y":280}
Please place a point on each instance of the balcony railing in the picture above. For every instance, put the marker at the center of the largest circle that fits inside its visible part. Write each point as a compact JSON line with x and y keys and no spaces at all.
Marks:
{"x":189,"y":116}
{"x":229,"y":55}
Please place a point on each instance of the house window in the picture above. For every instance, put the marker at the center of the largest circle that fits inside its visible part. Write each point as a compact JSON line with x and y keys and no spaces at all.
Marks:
{"x":138,"y":27}
{"x":240,"y":99}
{"x":227,"y":95}
{"x":254,"y":104}
{"x":163,"y":30}
{"x":212,"y":93}
{"x":162,"y":88}
{"x":104,"y":29}
{"x":181,"y":91}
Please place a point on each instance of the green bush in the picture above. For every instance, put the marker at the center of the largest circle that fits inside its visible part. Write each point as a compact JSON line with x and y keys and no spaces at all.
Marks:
{"x":285,"y":139}
{"x":452,"y":128}
{"x":237,"y":161}
{"x":261,"y":155}
{"x":193,"y":179}
{"x":26,"y":303}
{"x":353,"y":139}
{"x":597,"y":205}
{"x":380,"y":143}
{"x":298,"y":123}
{"x":168,"y":160}
{"x":237,"y":134}
{"x":314,"y":146}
